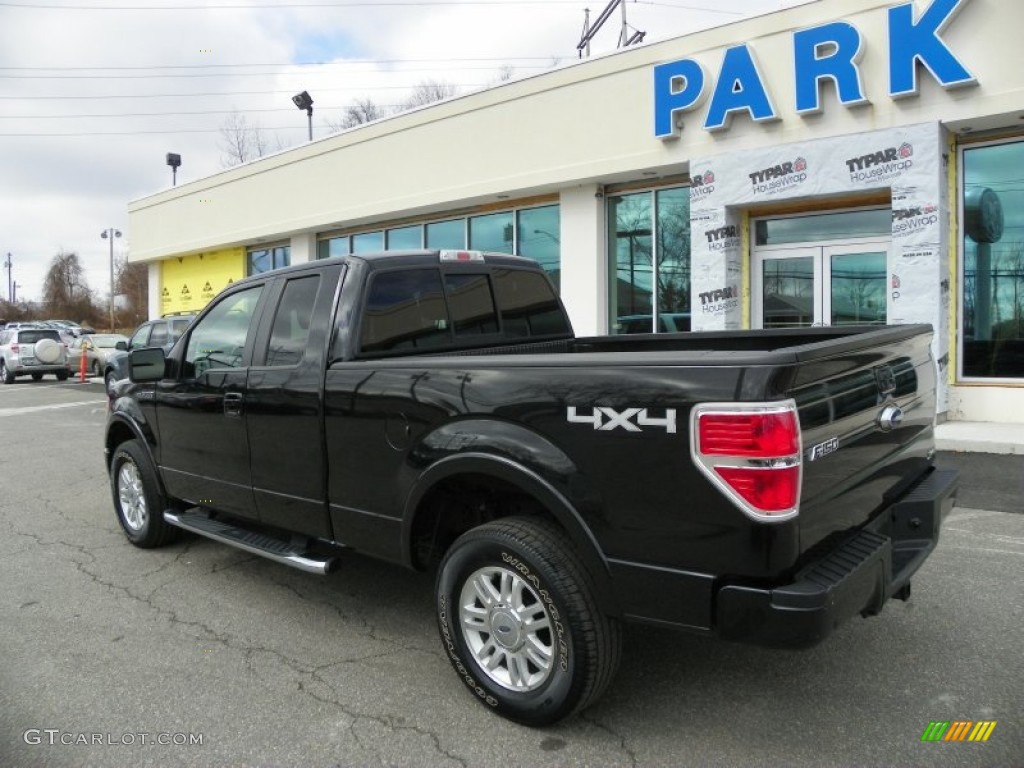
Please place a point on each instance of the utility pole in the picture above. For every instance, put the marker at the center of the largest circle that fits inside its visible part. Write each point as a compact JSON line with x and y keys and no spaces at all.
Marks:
{"x":9,"y":265}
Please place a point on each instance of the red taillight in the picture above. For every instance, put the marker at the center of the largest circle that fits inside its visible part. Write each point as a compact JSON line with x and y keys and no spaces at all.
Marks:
{"x":769,"y":490}
{"x":15,"y":348}
{"x":761,"y":435}
{"x":752,"y":453}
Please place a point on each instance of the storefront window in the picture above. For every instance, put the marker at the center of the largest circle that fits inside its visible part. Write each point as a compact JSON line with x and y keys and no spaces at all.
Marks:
{"x":538,"y":238}
{"x":992,"y":310}
{"x":368,"y":242}
{"x":335,"y":246}
{"x":447,"y":234}
{"x":266,"y":259}
{"x":491,"y":232}
{"x":529,"y":232}
{"x":649,"y":255}
{"x":405,"y":238}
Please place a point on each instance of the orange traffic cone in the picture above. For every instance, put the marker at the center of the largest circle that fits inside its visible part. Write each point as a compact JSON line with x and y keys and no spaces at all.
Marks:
{"x":81,"y":368}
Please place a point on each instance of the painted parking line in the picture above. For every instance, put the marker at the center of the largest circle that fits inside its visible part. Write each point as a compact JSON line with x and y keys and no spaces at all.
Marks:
{"x":35,"y":408}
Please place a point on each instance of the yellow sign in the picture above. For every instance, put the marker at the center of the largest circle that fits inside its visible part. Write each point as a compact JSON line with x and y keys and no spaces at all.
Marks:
{"x":190,"y":282}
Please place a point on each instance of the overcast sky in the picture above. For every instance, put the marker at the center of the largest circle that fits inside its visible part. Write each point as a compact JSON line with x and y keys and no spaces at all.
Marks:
{"x":95,"y":93}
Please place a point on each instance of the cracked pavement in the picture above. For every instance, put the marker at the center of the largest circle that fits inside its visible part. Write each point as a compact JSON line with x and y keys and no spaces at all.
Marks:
{"x":273,"y":666}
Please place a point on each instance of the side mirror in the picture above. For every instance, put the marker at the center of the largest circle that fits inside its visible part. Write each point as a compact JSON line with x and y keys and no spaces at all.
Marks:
{"x":121,"y":345}
{"x":147,"y":364}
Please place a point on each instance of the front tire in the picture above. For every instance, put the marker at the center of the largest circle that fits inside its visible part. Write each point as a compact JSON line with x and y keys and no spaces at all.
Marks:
{"x":138,"y":502}
{"x":520,"y":623}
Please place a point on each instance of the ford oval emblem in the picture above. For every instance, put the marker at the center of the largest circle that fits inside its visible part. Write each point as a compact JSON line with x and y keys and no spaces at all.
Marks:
{"x":890,"y":418}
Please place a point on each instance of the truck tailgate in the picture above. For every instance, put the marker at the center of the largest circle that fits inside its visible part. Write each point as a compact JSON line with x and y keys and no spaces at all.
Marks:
{"x":867,"y":431}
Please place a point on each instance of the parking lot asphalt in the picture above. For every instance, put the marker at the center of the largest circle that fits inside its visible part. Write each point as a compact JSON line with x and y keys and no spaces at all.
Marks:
{"x":105,"y":649}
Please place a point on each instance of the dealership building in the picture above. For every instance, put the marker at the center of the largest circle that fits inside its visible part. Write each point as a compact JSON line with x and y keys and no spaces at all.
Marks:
{"x":844,"y":161}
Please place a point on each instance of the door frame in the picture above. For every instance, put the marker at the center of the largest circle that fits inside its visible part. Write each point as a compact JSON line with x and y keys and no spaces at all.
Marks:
{"x":821,"y":250}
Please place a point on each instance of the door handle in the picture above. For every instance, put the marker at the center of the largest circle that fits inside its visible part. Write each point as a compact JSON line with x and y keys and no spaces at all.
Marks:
{"x":233,"y":404}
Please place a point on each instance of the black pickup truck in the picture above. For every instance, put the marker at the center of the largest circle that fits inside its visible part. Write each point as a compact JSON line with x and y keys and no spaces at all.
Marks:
{"x":434,"y":409}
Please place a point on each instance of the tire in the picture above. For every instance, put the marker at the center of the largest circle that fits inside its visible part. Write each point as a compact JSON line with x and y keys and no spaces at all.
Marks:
{"x":97,"y":369}
{"x":498,"y":579}
{"x":37,"y":377}
{"x":138,"y":502}
{"x":6,"y":374}
{"x":62,"y":375}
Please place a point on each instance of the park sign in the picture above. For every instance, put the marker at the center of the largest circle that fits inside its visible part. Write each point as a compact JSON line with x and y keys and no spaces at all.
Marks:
{"x":829,"y":51}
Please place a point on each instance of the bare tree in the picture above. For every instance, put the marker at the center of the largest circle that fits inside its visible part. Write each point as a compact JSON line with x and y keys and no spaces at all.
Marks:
{"x":241,"y":141}
{"x":132,"y":282}
{"x":65,"y":291}
{"x":429,"y":91}
{"x":361,"y":111}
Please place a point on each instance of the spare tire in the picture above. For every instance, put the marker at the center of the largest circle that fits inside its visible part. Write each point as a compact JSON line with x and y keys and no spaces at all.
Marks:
{"x":47,"y":351}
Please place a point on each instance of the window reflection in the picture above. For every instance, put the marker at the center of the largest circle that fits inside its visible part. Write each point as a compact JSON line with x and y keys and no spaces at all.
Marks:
{"x":649,"y":242}
{"x":265,"y":259}
{"x":993,"y":267}
{"x":492,"y":232}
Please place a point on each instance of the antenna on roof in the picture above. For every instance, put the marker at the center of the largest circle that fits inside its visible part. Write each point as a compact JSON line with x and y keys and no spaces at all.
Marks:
{"x":589,"y":31}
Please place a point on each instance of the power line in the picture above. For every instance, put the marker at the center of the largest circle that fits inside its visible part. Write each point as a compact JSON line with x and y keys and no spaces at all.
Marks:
{"x":271,"y":6}
{"x":211,"y":74}
{"x":346,"y":62}
{"x":170,"y":114}
{"x":220,"y":93}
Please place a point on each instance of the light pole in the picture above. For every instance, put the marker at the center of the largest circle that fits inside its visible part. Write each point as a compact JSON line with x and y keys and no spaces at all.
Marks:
{"x":110,"y":234}
{"x":305,"y":101}
{"x":9,"y":266}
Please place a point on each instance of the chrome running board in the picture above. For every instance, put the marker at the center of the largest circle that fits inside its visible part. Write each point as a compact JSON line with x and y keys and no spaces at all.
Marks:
{"x":258,"y":543}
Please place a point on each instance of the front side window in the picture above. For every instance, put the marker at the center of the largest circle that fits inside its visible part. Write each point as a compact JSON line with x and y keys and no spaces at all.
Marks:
{"x":992,"y":309}
{"x":140,"y":338}
{"x":219,"y":339}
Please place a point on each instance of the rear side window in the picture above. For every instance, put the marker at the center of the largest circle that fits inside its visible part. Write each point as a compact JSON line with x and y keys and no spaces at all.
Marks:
{"x":405,"y":309}
{"x":291,"y":323}
{"x":528,"y":304}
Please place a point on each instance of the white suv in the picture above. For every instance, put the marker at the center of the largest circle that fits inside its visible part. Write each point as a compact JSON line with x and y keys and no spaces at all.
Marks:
{"x":33,"y":351}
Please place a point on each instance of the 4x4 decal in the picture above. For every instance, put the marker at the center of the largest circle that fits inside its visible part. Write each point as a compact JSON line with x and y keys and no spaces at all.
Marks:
{"x":630,"y":419}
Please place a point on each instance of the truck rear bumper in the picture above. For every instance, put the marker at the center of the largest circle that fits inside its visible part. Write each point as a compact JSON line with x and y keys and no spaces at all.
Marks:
{"x":857,"y":577}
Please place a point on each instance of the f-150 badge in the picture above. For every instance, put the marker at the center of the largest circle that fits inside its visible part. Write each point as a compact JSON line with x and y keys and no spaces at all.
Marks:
{"x":822,"y":450}
{"x":630,"y":419}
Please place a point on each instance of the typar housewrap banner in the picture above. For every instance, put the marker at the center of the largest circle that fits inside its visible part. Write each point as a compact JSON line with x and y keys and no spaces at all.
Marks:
{"x":910,"y":161}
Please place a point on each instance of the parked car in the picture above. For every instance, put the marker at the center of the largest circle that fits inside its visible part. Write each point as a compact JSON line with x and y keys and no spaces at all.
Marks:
{"x":162,"y":332}
{"x":34,"y":352}
{"x":97,"y":347}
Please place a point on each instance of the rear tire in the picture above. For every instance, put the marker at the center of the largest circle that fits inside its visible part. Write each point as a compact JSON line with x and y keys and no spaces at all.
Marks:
{"x":37,"y":377}
{"x":520,"y":624}
{"x":138,"y":502}
{"x":62,"y":375}
{"x":6,"y":374}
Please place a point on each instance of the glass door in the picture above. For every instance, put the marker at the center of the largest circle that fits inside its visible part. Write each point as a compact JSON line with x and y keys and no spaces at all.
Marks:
{"x":830,"y":283}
